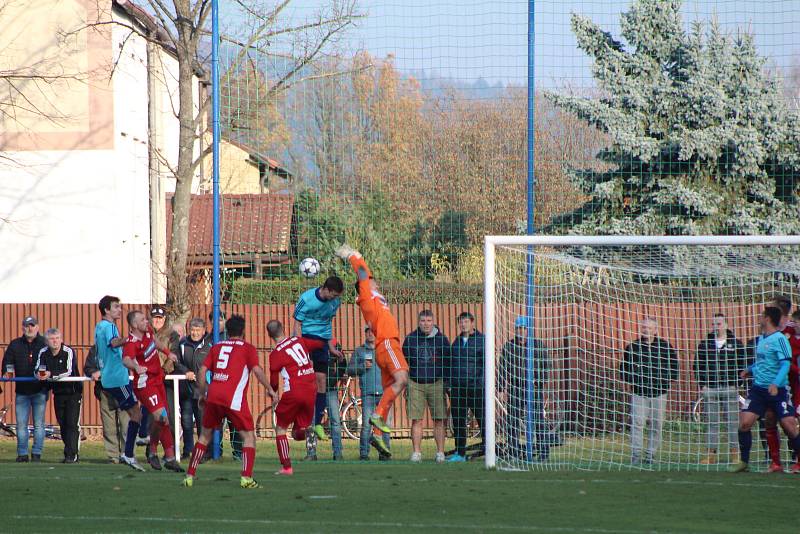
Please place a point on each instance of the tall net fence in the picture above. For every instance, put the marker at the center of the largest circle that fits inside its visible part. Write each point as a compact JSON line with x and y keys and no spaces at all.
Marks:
{"x":620,"y":357}
{"x":401,"y":128}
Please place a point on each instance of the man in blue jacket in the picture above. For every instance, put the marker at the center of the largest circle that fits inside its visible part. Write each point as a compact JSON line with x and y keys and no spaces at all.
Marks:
{"x":466,"y":383}
{"x":427,"y":351}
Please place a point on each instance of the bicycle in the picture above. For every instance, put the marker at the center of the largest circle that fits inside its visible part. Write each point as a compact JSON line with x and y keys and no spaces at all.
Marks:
{"x":5,"y":429}
{"x":349,"y":412}
{"x":697,"y":407}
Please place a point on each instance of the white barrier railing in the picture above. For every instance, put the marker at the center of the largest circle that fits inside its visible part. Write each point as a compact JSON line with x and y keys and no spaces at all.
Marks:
{"x":176,"y":409}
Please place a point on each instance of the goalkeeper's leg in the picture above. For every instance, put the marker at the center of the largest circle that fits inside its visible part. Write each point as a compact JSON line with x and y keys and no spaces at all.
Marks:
{"x":394,"y":374}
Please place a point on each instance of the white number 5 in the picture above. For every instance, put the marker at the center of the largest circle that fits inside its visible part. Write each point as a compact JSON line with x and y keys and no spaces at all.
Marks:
{"x":224,"y":355}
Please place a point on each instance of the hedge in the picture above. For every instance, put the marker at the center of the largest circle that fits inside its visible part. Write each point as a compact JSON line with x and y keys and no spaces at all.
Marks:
{"x":249,"y":291}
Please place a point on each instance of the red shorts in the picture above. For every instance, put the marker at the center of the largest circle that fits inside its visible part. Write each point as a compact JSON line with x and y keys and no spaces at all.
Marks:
{"x":153,"y":398}
{"x":213,"y":414}
{"x":296,"y":408}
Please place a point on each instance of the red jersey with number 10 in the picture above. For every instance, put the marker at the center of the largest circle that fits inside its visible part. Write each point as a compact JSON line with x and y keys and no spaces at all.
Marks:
{"x":290,"y":360}
{"x":230,"y":363}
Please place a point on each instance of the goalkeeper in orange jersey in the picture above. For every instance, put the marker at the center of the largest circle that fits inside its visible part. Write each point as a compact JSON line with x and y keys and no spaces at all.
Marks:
{"x":388,"y":354}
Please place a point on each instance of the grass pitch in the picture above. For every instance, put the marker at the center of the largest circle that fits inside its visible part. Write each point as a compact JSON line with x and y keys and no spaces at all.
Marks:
{"x":353,"y":496}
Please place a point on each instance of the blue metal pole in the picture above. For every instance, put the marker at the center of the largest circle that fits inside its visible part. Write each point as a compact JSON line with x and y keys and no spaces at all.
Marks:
{"x":216,"y":451}
{"x":530,"y":414}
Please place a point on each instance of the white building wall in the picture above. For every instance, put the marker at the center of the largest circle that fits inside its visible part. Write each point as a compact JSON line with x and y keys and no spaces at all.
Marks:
{"x":78,"y":222}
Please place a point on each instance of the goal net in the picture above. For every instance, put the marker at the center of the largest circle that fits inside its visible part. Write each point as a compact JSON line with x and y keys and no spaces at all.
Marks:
{"x":625,"y":352}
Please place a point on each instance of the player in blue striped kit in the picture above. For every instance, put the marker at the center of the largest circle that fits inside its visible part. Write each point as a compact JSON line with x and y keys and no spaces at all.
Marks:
{"x":770,"y":387}
{"x":313,"y":315}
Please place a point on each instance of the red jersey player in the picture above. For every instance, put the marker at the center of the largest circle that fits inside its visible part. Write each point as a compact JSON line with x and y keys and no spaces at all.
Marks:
{"x":140,"y":355}
{"x":290,"y":360}
{"x":230,"y":363}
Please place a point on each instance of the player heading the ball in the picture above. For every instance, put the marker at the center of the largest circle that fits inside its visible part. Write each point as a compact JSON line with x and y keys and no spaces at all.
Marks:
{"x":388,"y":354}
{"x":313,"y":316}
{"x":225,"y":396}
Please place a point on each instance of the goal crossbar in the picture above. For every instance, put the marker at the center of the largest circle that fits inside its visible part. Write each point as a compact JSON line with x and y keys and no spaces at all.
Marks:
{"x":491,"y":242}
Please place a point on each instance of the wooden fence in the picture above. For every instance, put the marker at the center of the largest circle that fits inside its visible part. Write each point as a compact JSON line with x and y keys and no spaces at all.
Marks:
{"x":585,"y":341}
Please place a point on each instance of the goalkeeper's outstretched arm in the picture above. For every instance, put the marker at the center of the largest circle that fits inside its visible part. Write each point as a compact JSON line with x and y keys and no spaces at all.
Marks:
{"x":349,"y":254}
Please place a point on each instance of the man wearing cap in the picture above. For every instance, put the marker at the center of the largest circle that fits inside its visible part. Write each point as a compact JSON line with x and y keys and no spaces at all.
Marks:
{"x":466,"y":383}
{"x":30,"y":397}
{"x":513,"y":386}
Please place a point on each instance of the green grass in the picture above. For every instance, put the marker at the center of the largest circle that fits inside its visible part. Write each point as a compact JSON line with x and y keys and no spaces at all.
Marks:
{"x":382,"y":497}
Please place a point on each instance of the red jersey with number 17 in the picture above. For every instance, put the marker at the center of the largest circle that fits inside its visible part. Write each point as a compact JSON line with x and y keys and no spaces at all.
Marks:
{"x":290,"y":361}
{"x":144,"y":352}
{"x":230,"y":363}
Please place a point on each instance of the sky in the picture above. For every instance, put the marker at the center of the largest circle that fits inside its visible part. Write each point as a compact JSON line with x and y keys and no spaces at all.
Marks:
{"x":466,"y":40}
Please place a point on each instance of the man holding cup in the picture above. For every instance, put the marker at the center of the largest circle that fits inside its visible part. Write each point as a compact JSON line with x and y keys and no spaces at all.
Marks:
{"x":30,"y":397}
{"x":58,"y":361}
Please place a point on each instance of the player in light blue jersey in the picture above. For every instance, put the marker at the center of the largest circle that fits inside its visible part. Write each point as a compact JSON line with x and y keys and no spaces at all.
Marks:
{"x":114,"y":375}
{"x":313,"y":315}
{"x":770,"y":387}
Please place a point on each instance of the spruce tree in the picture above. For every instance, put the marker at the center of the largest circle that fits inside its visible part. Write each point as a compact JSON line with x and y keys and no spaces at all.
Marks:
{"x":701,"y":140}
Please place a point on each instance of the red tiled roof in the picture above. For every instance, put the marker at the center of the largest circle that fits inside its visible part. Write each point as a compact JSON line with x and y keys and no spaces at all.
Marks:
{"x":249,"y":225}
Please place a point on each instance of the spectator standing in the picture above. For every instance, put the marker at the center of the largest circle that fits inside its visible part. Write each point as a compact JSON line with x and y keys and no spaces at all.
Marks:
{"x":191,"y":351}
{"x":720,"y":357}
{"x":362,"y":364}
{"x":114,"y":420}
{"x":513,"y":392}
{"x":648,"y":368}
{"x":427,"y":351}
{"x":57,"y":361}
{"x":336,"y":371}
{"x":30,"y":399}
{"x":466,"y":383}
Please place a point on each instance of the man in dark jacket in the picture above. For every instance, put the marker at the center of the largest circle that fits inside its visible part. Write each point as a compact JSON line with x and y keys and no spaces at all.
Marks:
{"x":720,"y":358}
{"x":114,"y":420}
{"x":515,"y":387}
{"x":466,"y":383}
{"x":57,"y":361}
{"x":191,"y":351}
{"x":648,"y":368}
{"x":30,"y":398}
{"x":427,"y":351}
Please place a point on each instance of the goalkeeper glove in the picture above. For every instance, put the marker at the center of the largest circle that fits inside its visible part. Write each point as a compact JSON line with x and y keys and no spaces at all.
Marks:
{"x":345,"y":251}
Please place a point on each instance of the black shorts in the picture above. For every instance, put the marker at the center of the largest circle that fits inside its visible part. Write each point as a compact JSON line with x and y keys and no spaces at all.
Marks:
{"x":320,"y":357}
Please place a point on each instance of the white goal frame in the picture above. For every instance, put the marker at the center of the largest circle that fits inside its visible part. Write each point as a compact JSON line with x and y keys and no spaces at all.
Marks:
{"x":489,"y":281}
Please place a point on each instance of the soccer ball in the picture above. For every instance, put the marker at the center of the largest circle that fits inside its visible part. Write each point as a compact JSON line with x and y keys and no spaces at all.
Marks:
{"x":309,"y":267}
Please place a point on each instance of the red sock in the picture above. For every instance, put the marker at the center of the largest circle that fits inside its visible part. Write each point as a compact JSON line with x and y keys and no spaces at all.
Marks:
{"x":197,"y":455}
{"x":248,"y":459}
{"x":282,"y":442}
{"x":166,"y":440}
{"x":774,"y":445}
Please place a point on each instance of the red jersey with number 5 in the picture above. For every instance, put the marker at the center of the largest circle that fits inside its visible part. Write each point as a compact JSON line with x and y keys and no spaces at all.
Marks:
{"x":291,"y":361}
{"x":230,"y":363}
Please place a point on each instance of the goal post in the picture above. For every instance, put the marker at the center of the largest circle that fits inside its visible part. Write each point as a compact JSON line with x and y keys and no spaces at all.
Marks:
{"x":561,"y":394}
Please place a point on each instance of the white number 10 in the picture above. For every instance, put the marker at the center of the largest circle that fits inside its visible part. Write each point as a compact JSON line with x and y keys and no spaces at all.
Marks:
{"x":298,"y":354}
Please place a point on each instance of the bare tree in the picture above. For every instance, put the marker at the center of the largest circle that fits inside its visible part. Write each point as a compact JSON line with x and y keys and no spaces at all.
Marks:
{"x":262,"y":29}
